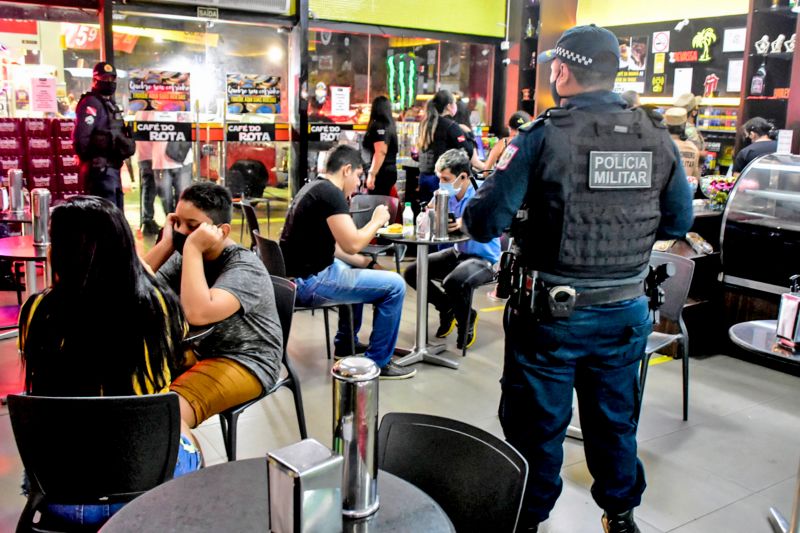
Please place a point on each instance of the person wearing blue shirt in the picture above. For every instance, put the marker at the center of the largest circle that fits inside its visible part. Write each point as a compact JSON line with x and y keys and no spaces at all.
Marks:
{"x":464,"y":266}
{"x":589,"y":187}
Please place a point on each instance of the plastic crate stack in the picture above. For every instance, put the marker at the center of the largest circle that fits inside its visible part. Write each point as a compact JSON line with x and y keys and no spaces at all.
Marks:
{"x":41,"y":165}
{"x":12,"y":152}
{"x":69,"y":182}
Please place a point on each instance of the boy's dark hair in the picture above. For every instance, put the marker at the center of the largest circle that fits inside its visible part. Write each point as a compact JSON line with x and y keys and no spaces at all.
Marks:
{"x":341,"y":156}
{"x":212,"y":199}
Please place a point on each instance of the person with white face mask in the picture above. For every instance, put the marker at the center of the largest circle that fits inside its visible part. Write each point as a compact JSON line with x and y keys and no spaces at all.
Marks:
{"x":462,"y":267}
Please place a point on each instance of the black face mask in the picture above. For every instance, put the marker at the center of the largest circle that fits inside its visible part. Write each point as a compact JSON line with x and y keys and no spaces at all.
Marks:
{"x":106,"y":88}
{"x":178,"y":240}
{"x":554,"y":93}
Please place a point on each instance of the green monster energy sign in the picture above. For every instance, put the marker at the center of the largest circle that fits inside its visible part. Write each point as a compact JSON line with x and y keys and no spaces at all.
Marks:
{"x":401,"y":73}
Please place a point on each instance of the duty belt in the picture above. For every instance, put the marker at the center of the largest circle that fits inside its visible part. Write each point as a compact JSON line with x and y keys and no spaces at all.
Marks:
{"x":608,"y":295}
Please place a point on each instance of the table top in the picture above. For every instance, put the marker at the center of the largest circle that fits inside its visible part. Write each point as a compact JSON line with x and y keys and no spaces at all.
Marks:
{"x":234,"y":497}
{"x":759,"y":336}
{"x":452,"y":238}
{"x":22,"y":249}
{"x":23,"y":217}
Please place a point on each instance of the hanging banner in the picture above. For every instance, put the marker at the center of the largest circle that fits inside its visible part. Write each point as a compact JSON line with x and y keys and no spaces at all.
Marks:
{"x":253,"y":93}
{"x":244,"y":133}
{"x":158,"y":90}
{"x":632,"y":71}
{"x":162,"y":131}
{"x":325,"y":132}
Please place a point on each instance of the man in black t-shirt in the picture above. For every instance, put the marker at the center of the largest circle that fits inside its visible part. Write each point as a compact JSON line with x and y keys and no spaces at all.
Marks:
{"x":319,"y":233}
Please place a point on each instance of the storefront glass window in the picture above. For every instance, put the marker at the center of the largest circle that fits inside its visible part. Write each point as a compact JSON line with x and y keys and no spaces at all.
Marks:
{"x":51,"y":52}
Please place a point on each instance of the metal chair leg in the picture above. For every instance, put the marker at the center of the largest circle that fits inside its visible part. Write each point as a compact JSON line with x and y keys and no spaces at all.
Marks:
{"x":642,"y":380}
{"x":228,"y":423}
{"x":294,"y":386}
{"x":327,"y":332}
{"x":465,"y":329}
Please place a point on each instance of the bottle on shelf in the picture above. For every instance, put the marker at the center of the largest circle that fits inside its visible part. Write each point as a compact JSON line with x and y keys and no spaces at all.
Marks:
{"x":774,"y":4}
{"x":529,"y":29}
{"x":758,"y":85}
{"x":408,"y":221}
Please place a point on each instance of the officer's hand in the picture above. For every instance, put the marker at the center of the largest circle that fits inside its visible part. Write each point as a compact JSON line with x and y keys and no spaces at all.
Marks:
{"x":452,"y":227}
{"x":205,"y":237}
{"x":166,"y":232}
{"x":380,"y":215}
{"x":371,"y":182}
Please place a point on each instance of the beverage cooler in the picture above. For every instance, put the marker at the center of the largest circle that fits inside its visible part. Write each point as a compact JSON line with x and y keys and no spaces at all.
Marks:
{"x":760,"y":239}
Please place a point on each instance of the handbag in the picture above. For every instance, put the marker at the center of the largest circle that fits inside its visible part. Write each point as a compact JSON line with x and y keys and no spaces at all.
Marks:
{"x":177,"y":150}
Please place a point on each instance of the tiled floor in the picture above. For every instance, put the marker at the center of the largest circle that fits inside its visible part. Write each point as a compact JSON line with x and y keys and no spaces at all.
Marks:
{"x":719,"y":472}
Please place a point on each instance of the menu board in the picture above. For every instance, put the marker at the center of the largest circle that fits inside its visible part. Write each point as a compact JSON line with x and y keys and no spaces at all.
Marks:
{"x":253,"y":93}
{"x":158,"y":90}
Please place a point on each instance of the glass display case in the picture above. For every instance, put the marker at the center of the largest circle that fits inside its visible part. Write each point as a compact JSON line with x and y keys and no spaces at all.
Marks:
{"x":761,"y":225}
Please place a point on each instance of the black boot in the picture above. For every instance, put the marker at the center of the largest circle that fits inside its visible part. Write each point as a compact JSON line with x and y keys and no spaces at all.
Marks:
{"x":619,"y":523}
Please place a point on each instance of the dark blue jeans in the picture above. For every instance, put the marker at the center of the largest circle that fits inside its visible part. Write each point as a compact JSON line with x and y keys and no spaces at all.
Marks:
{"x":597,"y":352}
{"x":147,"y":180}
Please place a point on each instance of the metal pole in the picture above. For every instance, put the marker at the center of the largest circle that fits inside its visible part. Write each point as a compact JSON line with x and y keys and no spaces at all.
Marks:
{"x":106,"y":31}
{"x":422,"y":297}
{"x":197,"y":158}
{"x":223,"y":172}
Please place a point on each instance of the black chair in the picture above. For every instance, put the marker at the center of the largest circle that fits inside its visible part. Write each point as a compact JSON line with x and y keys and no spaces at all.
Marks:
{"x":108,"y":450}
{"x":250,"y":217}
{"x":476,"y":478}
{"x":271,"y":255}
{"x":284,"y":300}
{"x":676,"y":291}
{"x":505,"y":243}
{"x":368,"y":203}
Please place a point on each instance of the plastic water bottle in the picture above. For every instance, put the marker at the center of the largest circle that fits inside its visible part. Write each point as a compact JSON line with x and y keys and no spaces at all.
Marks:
{"x":408,"y":222}
{"x":423,"y":226}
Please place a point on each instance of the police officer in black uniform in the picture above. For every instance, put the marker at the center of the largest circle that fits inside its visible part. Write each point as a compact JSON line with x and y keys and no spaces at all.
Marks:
{"x":102,"y":140}
{"x":590,"y":186}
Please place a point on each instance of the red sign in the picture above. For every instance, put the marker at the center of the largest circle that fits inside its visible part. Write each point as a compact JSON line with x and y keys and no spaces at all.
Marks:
{"x":27,"y":27}
{"x":86,"y":37}
{"x":687,"y":56}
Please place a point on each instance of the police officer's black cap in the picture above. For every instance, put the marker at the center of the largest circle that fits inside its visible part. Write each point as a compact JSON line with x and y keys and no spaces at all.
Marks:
{"x":103,"y":69}
{"x":590,"y":47}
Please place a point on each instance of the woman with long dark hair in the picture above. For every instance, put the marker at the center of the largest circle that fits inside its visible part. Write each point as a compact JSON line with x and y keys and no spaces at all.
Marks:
{"x":105,"y":328}
{"x":438,"y":133}
{"x":381,"y":143}
{"x":515,"y":122}
{"x":759,"y":133}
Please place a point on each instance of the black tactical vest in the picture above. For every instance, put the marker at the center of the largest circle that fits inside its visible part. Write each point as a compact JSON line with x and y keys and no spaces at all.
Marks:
{"x":606,"y":231}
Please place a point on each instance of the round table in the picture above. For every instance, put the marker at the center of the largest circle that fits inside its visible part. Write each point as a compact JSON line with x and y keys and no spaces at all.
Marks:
{"x":759,"y":336}
{"x":423,"y":351}
{"x":22,"y":217}
{"x":23,"y":249}
{"x":234,"y":497}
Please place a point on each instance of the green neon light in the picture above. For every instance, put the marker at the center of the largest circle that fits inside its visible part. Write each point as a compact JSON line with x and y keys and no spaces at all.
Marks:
{"x":412,"y":82}
{"x":390,"y":84}
{"x":402,"y":79}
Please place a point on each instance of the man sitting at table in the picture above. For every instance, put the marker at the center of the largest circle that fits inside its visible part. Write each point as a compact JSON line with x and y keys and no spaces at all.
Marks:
{"x":223,"y":284}
{"x":317,"y":239}
{"x":462,"y":267}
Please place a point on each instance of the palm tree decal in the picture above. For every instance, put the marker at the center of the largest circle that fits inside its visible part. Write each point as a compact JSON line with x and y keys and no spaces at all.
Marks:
{"x":704,"y":39}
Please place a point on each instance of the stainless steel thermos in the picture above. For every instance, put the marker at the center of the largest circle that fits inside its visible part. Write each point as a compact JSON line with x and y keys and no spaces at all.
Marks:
{"x":16,"y":199}
{"x":355,"y":433}
{"x":441,"y":201}
{"x":40,"y":212}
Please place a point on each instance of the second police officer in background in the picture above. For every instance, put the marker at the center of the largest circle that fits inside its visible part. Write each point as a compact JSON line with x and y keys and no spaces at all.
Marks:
{"x":102,"y":140}
{"x":590,"y":187}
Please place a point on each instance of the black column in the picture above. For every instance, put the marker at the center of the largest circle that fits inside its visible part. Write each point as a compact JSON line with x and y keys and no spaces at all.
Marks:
{"x":499,"y":91}
{"x":105,"y":16}
{"x":299,"y":176}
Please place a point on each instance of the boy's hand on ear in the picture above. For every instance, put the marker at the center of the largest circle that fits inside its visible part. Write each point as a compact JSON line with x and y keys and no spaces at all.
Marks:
{"x":205,"y":237}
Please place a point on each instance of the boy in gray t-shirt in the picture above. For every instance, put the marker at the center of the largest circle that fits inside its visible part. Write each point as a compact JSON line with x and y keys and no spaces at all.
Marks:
{"x":219,"y":283}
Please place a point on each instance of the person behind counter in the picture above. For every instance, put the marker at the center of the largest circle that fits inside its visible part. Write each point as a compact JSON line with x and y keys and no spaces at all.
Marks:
{"x":380,"y":142}
{"x":105,"y":328}
{"x":438,"y":133}
{"x":582,"y":244}
{"x":759,"y":132}
{"x":516,"y":121}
